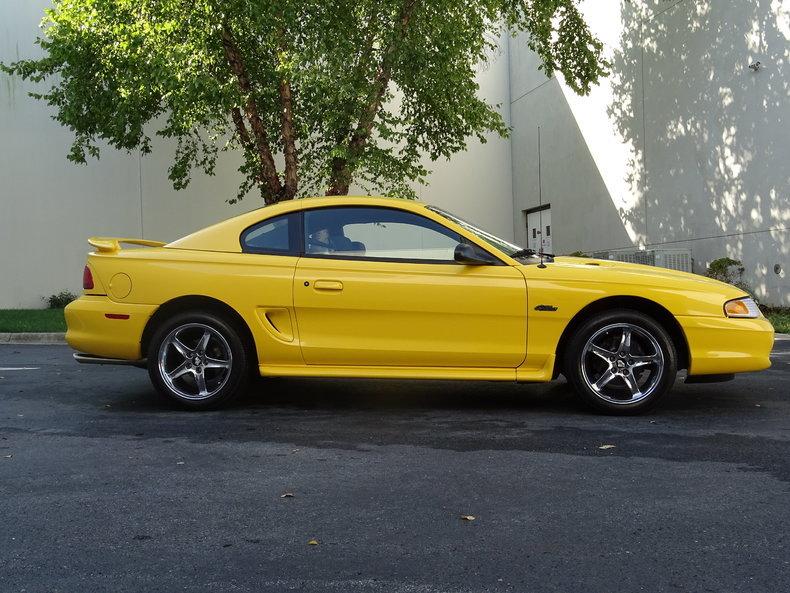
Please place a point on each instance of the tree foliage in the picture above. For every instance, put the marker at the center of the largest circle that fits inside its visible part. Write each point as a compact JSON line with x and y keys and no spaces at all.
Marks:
{"x":316,"y":94}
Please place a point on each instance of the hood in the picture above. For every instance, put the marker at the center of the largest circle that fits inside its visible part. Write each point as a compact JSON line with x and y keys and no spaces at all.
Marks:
{"x":628,"y":273}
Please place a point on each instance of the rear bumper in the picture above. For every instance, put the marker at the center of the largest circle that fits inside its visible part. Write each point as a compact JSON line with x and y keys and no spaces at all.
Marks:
{"x":720,"y":346}
{"x":92,"y":332}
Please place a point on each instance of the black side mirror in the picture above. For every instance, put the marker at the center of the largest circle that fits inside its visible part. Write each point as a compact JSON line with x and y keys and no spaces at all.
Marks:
{"x":472,"y":255}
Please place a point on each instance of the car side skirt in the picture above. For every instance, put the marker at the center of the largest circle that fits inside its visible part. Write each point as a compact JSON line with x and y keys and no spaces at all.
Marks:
{"x":381,"y":372}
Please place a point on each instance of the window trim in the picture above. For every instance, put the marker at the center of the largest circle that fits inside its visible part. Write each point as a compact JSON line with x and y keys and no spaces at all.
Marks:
{"x":400,"y":260}
{"x":496,"y":260}
{"x":295,"y":236}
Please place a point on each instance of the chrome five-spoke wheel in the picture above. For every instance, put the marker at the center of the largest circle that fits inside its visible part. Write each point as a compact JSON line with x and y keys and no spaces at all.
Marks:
{"x":622,"y":363}
{"x":199,"y":359}
{"x":195,"y":361}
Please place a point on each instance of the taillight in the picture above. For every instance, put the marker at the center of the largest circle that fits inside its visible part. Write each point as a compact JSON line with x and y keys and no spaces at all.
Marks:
{"x":87,"y":279}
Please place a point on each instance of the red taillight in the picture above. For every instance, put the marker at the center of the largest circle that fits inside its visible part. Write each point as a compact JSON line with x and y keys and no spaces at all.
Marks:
{"x":87,"y":279}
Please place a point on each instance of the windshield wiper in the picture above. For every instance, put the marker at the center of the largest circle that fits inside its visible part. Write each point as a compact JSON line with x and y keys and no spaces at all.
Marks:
{"x":524,"y":253}
{"x":530,"y":253}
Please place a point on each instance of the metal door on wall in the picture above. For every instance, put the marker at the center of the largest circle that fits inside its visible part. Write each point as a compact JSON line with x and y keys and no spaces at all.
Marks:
{"x":539,"y":230}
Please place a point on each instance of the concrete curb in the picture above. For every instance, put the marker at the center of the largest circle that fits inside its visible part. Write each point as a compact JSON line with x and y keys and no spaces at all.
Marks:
{"x":33,"y":338}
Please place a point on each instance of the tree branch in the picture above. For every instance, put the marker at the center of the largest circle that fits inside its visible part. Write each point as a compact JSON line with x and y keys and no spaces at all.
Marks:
{"x":241,"y":128}
{"x":341,"y":173}
{"x":268,"y":171}
{"x":288,"y":135}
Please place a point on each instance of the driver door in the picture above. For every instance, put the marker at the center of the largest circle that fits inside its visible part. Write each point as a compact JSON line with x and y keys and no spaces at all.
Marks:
{"x":388,"y":292}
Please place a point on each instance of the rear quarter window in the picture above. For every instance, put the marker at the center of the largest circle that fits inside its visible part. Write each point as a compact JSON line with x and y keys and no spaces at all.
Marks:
{"x":276,"y":235}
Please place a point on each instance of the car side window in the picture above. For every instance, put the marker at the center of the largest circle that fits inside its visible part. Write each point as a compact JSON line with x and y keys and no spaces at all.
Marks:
{"x":377,"y":233}
{"x":274,"y":236}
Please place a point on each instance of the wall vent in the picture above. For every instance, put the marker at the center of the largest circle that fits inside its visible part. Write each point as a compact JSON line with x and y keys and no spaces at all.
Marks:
{"x":674,"y":259}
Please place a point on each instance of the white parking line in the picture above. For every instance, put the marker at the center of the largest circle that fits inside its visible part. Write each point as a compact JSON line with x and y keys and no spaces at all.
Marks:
{"x":19,"y":368}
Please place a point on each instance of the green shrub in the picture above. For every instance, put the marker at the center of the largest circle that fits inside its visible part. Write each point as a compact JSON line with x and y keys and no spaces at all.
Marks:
{"x":730,"y":271}
{"x":726,"y":269}
{"x":579,"y":254}
{"x":779,"y":318}
{"x":60,"y":300}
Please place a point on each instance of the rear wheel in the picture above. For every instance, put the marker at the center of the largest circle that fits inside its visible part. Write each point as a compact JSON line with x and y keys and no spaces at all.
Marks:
{"x":198,"y":360}
{"x":621,"y":362}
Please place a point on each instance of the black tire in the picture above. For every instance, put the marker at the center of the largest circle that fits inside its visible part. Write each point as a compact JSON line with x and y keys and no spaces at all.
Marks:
{"x":603,"y":371}
{"x":220,"y":384}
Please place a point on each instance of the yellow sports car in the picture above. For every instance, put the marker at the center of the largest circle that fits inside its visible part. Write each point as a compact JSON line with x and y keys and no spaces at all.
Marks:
{"x":381,"y":287}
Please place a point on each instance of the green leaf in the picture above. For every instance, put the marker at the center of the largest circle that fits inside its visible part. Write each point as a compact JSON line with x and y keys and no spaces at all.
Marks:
{"x":375,"y":85}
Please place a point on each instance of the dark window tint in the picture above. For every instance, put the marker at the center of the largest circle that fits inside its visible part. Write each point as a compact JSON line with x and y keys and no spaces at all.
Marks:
{"x":275,"y":235}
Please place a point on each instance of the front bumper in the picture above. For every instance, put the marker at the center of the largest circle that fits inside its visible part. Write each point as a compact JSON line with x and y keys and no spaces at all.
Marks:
{"x":723,"y":345}
{"x":91,"y":331}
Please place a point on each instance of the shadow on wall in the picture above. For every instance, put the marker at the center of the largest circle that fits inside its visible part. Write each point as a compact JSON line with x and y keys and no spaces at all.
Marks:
{"x":710,"y":160}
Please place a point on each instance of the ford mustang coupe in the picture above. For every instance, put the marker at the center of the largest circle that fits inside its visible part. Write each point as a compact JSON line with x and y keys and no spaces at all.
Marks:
{"x":381,"y":287}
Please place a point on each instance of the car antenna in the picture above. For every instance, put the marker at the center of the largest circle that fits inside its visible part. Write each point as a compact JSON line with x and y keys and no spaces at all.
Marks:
{"x":541,"y":265}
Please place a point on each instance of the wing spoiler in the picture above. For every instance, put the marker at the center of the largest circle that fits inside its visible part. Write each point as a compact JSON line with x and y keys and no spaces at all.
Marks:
{"x":113,"y":244}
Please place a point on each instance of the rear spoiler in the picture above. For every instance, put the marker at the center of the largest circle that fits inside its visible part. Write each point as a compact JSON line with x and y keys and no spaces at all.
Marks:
{"x":113,"y":244}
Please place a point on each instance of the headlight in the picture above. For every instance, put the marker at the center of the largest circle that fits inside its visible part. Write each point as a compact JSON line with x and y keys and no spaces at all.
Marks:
{"x":743,"y":307}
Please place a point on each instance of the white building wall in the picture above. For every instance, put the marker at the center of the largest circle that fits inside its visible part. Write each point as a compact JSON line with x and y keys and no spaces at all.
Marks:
{"x":682,"y":146}
{"x":477,"y":183}
{"x":49,"y":206}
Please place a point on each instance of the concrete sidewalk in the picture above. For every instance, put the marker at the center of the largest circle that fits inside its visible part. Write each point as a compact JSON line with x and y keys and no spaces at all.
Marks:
{"x":33,"y":338}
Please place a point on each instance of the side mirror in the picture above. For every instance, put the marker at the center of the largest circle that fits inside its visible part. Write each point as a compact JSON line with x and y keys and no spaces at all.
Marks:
{"x":471,"y":255}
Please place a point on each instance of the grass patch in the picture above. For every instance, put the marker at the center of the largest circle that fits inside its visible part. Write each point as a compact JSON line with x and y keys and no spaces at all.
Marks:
{"x":779,"y":318}
{"x":32,"y":320}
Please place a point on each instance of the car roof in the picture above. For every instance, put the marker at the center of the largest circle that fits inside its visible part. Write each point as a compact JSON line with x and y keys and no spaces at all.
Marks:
{"x":224,"y":236}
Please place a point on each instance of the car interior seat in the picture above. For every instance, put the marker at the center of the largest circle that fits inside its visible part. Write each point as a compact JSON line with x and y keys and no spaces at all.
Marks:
{"x":340,"y":243}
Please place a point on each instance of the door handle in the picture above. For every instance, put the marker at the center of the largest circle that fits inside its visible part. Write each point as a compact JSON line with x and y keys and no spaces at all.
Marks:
{"x":328,"y":285}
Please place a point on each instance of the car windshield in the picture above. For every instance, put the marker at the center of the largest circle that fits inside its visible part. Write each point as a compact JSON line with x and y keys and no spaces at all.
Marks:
{"x":504,"y":246}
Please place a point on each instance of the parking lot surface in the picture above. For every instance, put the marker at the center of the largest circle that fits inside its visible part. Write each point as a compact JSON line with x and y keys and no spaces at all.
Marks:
{"x":106,"y":487}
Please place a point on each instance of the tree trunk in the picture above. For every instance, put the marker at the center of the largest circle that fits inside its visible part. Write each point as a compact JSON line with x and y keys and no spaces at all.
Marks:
{"x":289,"y":141}
{"x":340,"y":179}
{"x":271,"y":188}
{"x":342,"y":168}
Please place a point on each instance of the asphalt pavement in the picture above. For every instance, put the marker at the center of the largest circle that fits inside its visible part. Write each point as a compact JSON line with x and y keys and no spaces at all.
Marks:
{"x":106,"y":487}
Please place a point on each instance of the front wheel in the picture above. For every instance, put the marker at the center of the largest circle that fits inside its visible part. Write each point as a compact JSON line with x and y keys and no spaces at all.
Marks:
{"x":621,"y":362}
{"x":198,"y":360}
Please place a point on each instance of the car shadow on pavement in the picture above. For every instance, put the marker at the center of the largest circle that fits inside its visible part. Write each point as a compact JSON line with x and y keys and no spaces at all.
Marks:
{"x":694,"y":422}
{"x":404,"y":396}
{"x":376,"y":394}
